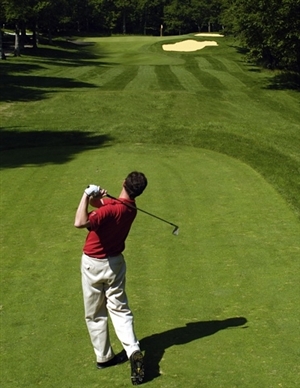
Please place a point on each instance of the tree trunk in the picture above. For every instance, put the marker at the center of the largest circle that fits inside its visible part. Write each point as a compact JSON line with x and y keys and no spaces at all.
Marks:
{"x":124,"y":23}
{"x":2,"y":54}
{"x":23,"y":37}
{"x":17,"y":51}
{"x":50,"y":36}
{"x":34,"y":38}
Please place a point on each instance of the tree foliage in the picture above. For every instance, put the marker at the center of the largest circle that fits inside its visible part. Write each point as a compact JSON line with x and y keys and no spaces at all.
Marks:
{"x":270,"y":29}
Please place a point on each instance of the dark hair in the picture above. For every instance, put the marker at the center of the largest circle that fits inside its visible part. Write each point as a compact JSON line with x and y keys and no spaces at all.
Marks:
{"x":135,"y":184}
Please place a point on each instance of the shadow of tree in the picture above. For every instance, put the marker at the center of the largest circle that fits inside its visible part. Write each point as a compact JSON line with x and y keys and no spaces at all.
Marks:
{"x":30,"y":87}
{"x":70,"y":49}
{"x":75,"y":54}
{"x":285,"y":81}
{"x":20,"y":81}
{"x":155,"y":345}
{"x":240,"y":49}
{"x":69,"y":53}
{"x":18,"y":148}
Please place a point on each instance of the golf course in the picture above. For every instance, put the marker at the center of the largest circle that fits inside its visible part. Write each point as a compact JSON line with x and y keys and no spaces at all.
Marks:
{"x":216,"y":306}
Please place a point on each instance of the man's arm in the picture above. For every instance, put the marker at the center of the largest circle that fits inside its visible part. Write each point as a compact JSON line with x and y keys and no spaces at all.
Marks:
{"x":82,"y":215}
{"x":92,"y":195}
{"x":96,"y":202}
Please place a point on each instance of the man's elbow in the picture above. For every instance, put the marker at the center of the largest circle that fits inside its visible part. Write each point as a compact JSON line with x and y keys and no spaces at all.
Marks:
{"x":80,"y":224}
{"x":77,"y":225}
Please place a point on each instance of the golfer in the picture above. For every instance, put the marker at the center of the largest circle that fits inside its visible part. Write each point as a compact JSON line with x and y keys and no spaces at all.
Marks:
{"x":103,"y":270}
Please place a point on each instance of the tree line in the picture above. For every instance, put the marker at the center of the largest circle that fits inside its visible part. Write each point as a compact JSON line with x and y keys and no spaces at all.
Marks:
{"x":268,"y":29}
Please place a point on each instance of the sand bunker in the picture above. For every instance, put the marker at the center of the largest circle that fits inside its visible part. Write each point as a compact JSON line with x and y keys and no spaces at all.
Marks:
{"x":188,"y":45}
{"x":210,"y":34}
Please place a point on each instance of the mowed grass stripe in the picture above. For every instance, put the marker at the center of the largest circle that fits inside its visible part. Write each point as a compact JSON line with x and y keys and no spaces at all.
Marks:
{"x":228,"y":80}
{"x":219,"y":70}
{"x":245,"y":74}
{"x":232,"y":66}
{"x":120,"y":81}
{"x":167,"y":79}
{"x":201,"y":71}
{"x":145,"y":79}
{"x":83,"y":73}
{"x":187,"y":79}
{"x":105,"y":75}
{"x":216,"y":64}
{"x":203,"y":63}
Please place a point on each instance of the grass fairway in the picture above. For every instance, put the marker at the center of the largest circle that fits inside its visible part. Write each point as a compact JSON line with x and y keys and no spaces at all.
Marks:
{"x":216,"y":306}
{"x":127,"y":89}
{"x":236,"y":256}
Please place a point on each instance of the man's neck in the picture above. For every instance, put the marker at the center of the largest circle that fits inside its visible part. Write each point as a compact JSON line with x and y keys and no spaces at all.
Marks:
{"x":124,"y":194}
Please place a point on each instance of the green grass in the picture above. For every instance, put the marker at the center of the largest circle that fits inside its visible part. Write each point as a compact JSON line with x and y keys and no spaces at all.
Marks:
{"x":220,"y":147}
{"x":130,"y":90}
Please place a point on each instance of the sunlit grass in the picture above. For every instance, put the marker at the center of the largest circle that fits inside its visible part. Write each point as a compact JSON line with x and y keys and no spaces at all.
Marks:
{"x":221,"y":150}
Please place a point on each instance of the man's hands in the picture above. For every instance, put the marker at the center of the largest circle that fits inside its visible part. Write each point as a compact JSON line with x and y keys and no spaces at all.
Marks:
{"x":92,"y":190}
{"x":92,"y":195}
{"x":95,"y":191}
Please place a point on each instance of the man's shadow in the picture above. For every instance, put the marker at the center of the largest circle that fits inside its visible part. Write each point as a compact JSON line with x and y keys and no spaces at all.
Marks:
{"x":155,"y":345}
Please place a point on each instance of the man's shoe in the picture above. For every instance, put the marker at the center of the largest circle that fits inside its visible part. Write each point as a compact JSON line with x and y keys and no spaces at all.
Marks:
{"x":112,"y":362}
{"x":120,"y":358}
{"x":137,"y":368}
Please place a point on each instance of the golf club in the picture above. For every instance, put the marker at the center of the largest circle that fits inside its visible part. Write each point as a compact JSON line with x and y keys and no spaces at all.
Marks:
{"x":176,"y":228}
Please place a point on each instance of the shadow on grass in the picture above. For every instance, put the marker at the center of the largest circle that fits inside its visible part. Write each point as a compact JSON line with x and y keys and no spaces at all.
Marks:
{"x":29,"y":86}
{"x":20,"y":80}
{"x":240,"y":49}
{"x":19,"y":148}
{"x":155,"y":345}
{"x":285,"y":81}
{"x":60,"y":49}
{"x":65,"y":52}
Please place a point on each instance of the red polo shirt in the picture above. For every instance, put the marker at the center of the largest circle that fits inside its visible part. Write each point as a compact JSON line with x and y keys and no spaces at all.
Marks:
{"x":109,"y":227}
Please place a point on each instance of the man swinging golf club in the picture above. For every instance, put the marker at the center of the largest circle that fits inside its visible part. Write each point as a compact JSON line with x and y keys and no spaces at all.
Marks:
{"x":103,"y":271}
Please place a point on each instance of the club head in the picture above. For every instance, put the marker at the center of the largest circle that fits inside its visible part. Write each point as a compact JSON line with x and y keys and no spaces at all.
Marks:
{"x":176,"y":231}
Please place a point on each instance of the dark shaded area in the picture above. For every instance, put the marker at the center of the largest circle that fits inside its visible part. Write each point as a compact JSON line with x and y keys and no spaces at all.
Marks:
{"x":240,"y":49}
{"x":63,"y":51}
{"x":155,"y":345}
{"x":11,"y":88}
{"x":21,"y":82}
{"x":18,"y":148}
{"x":285,"y":81}
{"x":32,"y":87}
{"x":74,"y":49}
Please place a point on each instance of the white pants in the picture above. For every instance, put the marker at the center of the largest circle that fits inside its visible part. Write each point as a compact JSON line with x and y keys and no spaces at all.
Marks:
{"x":103,"y":285}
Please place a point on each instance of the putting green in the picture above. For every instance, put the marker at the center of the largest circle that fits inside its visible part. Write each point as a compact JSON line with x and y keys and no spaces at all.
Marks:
{"x":237,"y":254}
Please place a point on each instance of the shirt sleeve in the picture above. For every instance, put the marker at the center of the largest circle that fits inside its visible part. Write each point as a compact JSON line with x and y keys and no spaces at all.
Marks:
{"x":95,"y":218}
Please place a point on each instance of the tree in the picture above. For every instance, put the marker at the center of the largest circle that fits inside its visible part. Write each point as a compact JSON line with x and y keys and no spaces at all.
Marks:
{"x":2,"y":54}
{"x":205,"y":13}
{"x":150,"y":13}
{"x":177,"y":16}
{"x":270,"y":29}
{"x":48,"y":16}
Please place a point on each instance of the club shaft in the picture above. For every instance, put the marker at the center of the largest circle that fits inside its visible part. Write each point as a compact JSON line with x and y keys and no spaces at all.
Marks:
{"x":141,"y":210}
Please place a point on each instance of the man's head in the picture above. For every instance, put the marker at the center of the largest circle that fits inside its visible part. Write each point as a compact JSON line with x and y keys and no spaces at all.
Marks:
{"x":135,"y":184}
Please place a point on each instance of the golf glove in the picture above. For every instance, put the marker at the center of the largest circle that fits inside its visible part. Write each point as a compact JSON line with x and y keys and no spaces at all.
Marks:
{"x":92,"y":190}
